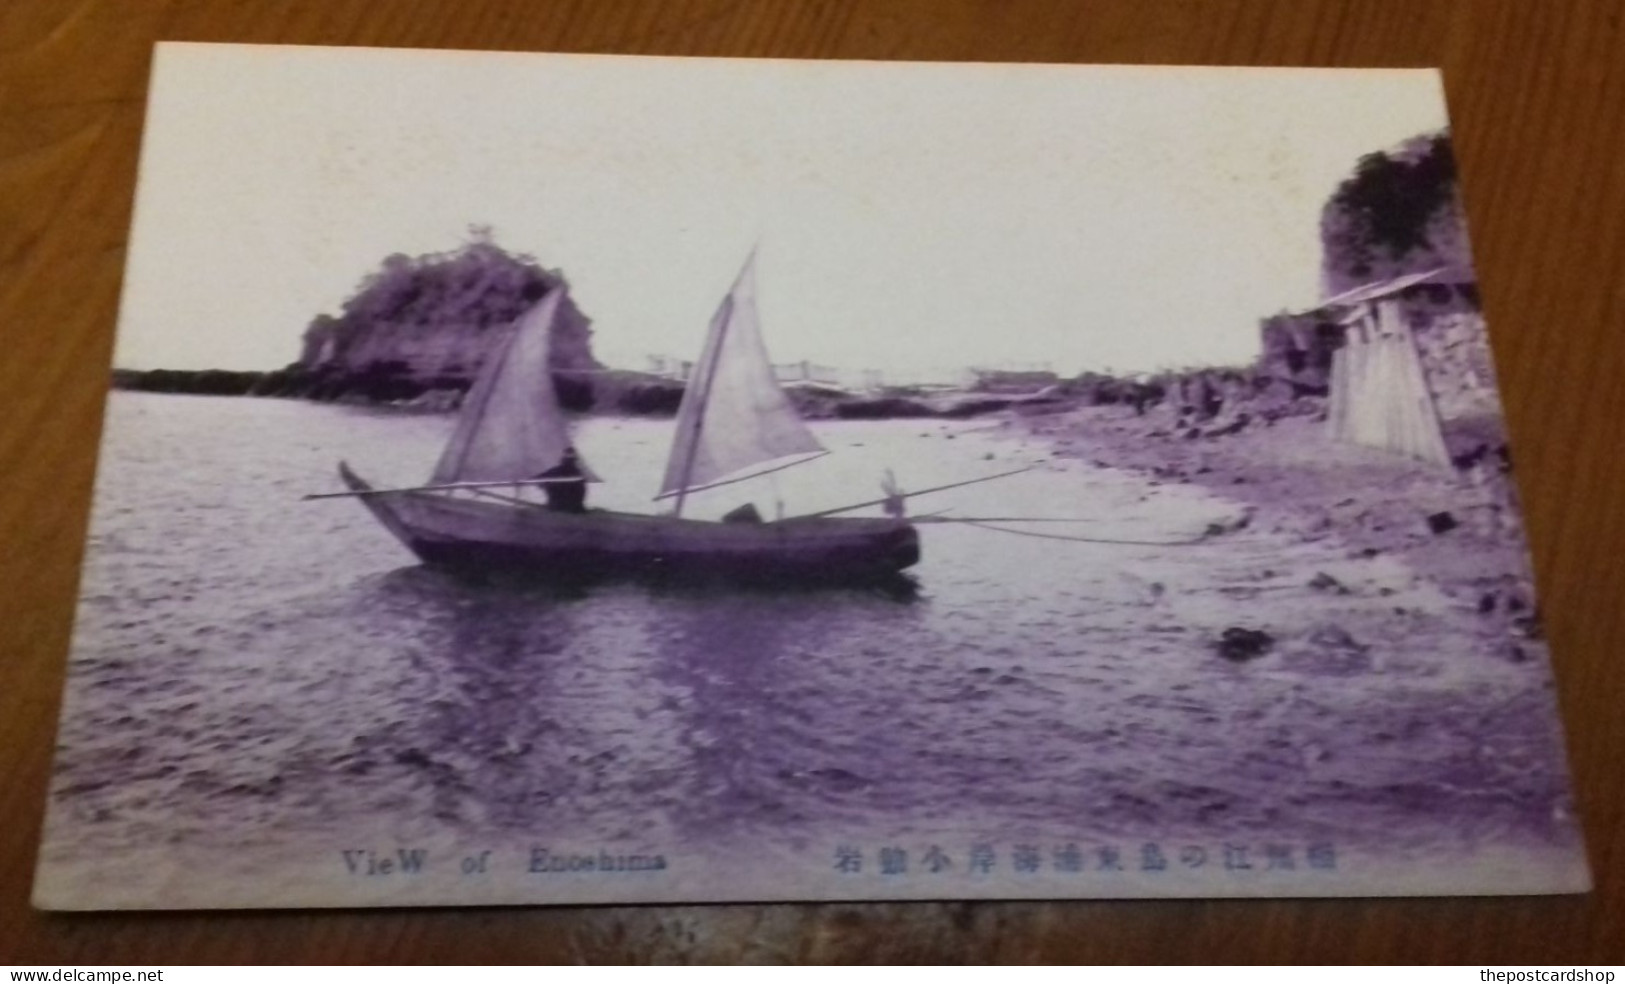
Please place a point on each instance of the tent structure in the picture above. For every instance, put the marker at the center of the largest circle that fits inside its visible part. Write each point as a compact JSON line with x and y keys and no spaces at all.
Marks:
{"x":1379,"y":391}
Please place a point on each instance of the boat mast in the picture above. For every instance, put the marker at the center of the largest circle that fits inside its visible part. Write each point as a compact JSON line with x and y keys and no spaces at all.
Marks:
{"x":701,"y":404}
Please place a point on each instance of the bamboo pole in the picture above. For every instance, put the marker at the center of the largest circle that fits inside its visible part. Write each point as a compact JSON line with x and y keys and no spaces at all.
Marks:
{"x":909,"y":495}
{"x":745,"y":478}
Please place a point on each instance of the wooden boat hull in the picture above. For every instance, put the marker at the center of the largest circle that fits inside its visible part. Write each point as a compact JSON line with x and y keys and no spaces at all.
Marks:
{"x":471,"y":533}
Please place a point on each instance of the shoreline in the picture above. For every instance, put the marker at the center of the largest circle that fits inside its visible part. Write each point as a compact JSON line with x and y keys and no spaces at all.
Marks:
{"x":1460,"y":529}
{"x":604,"y":392}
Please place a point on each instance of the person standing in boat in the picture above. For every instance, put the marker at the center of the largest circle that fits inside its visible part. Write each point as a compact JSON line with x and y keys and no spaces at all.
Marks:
{"x":567,"y":488}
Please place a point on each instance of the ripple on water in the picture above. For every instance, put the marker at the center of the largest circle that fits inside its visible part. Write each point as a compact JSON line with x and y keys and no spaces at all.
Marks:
{"x":248,"y":664}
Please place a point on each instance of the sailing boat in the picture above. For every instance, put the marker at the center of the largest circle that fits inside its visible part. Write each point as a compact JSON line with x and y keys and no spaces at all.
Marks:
{"x":734,"y":423}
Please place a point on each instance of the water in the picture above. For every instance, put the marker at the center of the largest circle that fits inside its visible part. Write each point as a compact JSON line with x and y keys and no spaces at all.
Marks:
{"x":249,"y":668}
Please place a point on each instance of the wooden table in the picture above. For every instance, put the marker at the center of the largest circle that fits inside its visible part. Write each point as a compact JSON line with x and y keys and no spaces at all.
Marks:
{"x":1537,"y":94}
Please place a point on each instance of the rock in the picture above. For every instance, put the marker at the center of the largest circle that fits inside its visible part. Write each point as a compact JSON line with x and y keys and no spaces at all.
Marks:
{"x":1441,"y":522}
{"x":1528,"y":626}
{"x":1486,"y":603}
{"x":1470,"y":459}
{"x":1336,"y":637}
{"x":1240,"y":522}
{"x":1331,"y":652}
{"x":1234,"y":427}
{"x":1238,"y":645}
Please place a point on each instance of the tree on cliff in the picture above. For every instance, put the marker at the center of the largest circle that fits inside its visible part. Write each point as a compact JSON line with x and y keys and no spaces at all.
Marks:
{"x":1398,"y":213}
{"x":433,"y":315}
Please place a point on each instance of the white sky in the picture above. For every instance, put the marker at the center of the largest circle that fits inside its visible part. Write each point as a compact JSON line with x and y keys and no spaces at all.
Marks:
{"x":911,"y":217}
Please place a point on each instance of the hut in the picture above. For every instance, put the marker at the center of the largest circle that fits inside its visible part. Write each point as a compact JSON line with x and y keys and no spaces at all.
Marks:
{"x":1379,"y":393}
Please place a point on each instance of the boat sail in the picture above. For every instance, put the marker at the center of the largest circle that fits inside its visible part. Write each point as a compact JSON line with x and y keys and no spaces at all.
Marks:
{"x":734,"y":423}
{"x":511,"y":427}
{"x":734,"y":417}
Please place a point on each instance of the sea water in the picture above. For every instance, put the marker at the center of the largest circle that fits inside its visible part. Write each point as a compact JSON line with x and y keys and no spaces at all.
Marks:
{"x":250,"y":667}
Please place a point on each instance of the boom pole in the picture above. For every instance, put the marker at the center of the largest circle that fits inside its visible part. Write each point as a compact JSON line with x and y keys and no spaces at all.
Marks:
{"x":910,"y":495}
{"x":445,"y":487}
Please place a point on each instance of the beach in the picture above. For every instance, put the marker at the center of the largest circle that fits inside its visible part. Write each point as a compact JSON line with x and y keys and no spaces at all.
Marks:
{"x":1298,"y":482}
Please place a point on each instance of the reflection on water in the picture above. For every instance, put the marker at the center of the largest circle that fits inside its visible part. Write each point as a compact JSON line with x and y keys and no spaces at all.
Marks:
{"x":251,"y":666}
{"x":678,"y":711}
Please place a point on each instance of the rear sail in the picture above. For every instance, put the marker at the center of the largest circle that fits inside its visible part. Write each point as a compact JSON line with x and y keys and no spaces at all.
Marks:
{"x":734,"y":421}
{"x":511,"y":426}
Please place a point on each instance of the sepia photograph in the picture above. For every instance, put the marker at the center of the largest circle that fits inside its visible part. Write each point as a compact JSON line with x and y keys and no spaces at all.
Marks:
{"x":566,"y":479}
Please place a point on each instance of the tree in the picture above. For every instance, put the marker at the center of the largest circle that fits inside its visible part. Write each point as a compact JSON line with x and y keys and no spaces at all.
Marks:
{"x":1398,"y":213}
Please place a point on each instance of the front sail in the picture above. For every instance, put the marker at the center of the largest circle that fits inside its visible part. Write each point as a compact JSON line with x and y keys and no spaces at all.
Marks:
{"x":511,"y":427}
{"x":734,"y":418}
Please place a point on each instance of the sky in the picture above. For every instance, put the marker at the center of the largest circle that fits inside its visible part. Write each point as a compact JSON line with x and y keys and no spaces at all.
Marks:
{"x":908,"y":217}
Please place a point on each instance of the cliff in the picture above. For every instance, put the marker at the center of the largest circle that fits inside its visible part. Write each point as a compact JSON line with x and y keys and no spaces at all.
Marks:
{"x":1394,"y":231}
{"x":1397,"y":220}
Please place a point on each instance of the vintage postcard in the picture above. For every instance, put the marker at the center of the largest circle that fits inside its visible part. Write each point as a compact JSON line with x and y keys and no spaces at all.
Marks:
{"x":581,"y":479}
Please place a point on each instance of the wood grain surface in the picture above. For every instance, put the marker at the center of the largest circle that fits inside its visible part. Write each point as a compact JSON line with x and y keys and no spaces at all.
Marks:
{"x":1537,"y":96}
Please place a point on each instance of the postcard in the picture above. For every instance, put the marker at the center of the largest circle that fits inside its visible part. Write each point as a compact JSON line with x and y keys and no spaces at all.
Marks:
{"x":544,"y":479}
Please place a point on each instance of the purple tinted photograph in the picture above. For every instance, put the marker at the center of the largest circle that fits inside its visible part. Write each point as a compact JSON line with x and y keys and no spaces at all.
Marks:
{"x":562,"y":479}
